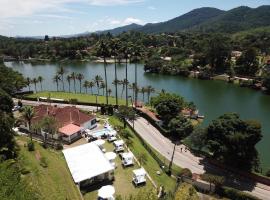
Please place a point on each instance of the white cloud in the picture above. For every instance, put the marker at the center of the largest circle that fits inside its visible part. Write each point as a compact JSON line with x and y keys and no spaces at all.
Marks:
{"x":131,"y":20}
{"x":151,"y":8}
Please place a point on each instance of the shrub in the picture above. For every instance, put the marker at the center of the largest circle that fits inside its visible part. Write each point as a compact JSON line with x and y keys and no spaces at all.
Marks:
{"x":185,"y":172}
{"x":186,"y":192}
{"x":268,"y":173}
{"x":58,"y":146}
{"x":43,"y":162}
{"x":24,"y":171}
{"x":235,"y":194}
{"x":31,"y":146}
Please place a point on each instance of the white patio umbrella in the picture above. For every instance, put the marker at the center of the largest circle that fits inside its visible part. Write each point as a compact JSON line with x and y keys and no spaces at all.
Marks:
{"x":99,"y":142}
{"x":110,"y":155}
{"x":106,"y":192}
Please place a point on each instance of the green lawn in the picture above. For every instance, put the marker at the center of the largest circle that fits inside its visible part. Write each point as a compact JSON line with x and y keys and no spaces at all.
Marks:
{"x":85,"y":98}
{"x":53,"y":182}
{"x":123,"y":179}
{"x":151,"y":165}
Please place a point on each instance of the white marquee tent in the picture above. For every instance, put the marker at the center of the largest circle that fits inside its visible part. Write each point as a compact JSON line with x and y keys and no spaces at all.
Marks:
{"x":86,"y":161}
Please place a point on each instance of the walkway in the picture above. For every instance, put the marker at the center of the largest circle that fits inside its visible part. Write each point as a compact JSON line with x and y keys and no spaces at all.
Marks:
{"x":186,"y":159}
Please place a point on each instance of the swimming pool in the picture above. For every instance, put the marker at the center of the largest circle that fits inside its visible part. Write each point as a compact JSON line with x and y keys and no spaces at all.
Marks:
{"x":99,"y":133}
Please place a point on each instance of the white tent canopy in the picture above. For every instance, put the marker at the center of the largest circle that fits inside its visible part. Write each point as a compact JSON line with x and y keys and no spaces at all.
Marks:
{"x":99,"y":142}
{"x":110,"y":155}
{"x":86,"y":161}
{"x":106,"y":192}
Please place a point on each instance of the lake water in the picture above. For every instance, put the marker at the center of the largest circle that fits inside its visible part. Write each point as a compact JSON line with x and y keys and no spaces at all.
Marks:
{"x":213,"y":98}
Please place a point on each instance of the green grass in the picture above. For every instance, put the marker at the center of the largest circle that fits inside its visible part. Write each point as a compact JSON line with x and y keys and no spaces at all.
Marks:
{"x":151,"y":165}
{"x":123,"y":179}
{"x":85,"y":98}
{"x":53,"y":182}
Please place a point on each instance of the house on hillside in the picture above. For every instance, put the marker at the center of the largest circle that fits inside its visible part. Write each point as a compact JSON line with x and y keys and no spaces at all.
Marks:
{"x":70,"y":120}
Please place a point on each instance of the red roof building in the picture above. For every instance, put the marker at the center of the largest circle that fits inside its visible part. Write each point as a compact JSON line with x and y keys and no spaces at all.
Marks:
{"x":70,"y":119}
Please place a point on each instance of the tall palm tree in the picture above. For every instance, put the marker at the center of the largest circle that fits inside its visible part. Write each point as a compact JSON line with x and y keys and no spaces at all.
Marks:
{"x":91,"y":85}
{"x":98,"y":80}
{"x":28,"y":114}
{"x":56,"y":79}
{"x":103,"y":87}
{"x":35,"y":81}
{"x":115,"y":47}
{"x":86,"y":85}
{"x":124,"y":84}
{"x":136,"y":53}
{"x":73,"y":76}
{"x":28,"y":83}
{"x":149,"y":90}
{"x":109,"y":92}
{"x":80,"y":77}
{"x":68,"y":78}
{"x":143,"y":91}
{"x":133,"y":88}
{"x":40,"y":80}
{"x":125,"y":50}
{"x":104,"y":51}
{"x":61,"y":71}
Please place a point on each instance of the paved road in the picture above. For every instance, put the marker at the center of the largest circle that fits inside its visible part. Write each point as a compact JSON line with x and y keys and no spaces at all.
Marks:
{"x":186,"y":159}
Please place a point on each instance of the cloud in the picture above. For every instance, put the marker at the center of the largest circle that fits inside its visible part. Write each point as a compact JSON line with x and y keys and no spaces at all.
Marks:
{"x":131,"y":20}
{"x":151,"y":8}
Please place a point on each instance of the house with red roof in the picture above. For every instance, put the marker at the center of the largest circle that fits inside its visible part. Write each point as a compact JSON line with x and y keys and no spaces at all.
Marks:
{"x":70,"y":120}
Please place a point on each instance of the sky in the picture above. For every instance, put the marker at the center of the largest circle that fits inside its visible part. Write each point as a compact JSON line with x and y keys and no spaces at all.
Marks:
{"x":65,"y":17}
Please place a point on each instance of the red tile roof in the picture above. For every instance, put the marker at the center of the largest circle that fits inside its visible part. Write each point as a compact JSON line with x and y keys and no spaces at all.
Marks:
{"x":64,"y":116}
{"x":69,"y":129}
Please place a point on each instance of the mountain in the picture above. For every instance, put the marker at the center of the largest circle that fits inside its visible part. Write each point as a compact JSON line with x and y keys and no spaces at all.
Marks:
{"x":238,"y":19}
{"x":186,"y":21}
{"x":121,"y":29}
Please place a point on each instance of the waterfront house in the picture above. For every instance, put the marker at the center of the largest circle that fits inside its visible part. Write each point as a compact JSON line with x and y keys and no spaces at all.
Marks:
{"x":70,"y":120}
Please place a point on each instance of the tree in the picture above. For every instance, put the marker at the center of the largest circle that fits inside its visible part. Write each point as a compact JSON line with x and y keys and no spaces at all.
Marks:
{"x":232,"y":141}
{"x":69,"y":80}
{"x":6,"y":103}
{"x":35,"y":81}
{"x":109,"y":92}
{"x":247,"y":64}
{"x":124,"y":84}
{"x":61,"y":71}
{"x":49,"y":126}
{"x":73,"y":76}
{"x":149,"y":90}
{"x":213,"y":179}
{"x":7,"y":142}
{"x":180,"y":127}
{"x":104,"y":52}
{"x":98,"y":80}
{"x":80,"y":77}
{"x":143,"y":90}
{"x":186,"y":192}
{"x":40,"y":80}
{"x":103,"y":87}
{"x":28,"y":114}
{"x":86,"y":85}
{"x":126,"y":113}
{"x":142,"y":158}
{"x":167,"y":106}
{"x":91,"y":85}
{"x":198,"y":138}
{"x":56,"y":79}
{"x":28,"y":83}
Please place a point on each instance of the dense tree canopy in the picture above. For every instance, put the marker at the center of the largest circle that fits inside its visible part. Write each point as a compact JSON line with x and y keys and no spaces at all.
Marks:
{"x":180,"y":127}
{"x":232,"y":141}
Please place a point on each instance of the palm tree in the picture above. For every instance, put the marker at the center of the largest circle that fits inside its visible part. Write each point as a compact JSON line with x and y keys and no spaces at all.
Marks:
{"x":102,"y":86}
{"x":149,"y":90}
{"x":28,"y":114}
{"x":86,"y":85}
{"x":133,"y":88}
{"x":56,"y":79}
{"x":125,"y":51}
{"x":91,"y":85}
{"x":136,"y":57}
{"x":40,"y":80}
{"x":28,"y":83}
{"x":115,"y":47}
{"x":109,"y":92}
{"x":143,"y":91}
{"x":73,"y":77}
{"x":80,"y":77}
{"x":35,"y":81}
{"x":124,"y":84}
{"x":98,"y":79}
{"x":61,"y":71}
{"x":104,"y":52}
{"x":68,"y":80}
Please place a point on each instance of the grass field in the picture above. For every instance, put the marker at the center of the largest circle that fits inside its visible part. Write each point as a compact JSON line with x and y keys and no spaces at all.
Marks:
{"x":151,"y":165}
{"x":53,"y":182}
{"x":85,"y":98}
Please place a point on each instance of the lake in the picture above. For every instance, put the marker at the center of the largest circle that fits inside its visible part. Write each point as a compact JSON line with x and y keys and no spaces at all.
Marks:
{"x":213,"y":98}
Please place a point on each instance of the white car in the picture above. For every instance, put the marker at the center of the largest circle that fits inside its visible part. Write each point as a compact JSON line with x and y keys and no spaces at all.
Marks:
{"x":112,"y":139}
